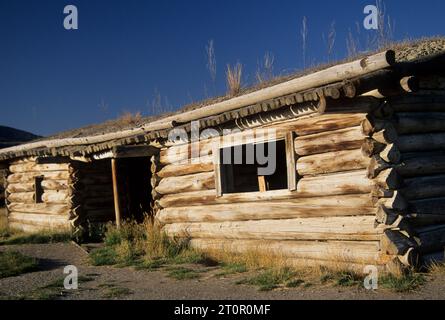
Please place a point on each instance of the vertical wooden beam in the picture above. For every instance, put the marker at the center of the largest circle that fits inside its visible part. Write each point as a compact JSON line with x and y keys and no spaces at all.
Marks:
{"x":262,"y":183}
{"x":218,"y":169}
{"x":291,"y":161}
{"x":117,"y":205}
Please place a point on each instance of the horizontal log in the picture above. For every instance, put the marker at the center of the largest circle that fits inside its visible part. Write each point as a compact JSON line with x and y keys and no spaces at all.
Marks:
{"x":270,"y":210}
{"x":29,"y":228}
{"x":44,"y":220}
{"x":55,"y":185}
{"x":333,"y":228}
{"x":422,"y":165}
{"x":431,"y":239}
{"x":20,"y":187}
{"x":55,"y":197}
{"x":359,"y":252}
{"x":40,"y":208}
{"x":196,"y":182}
{"x":321,"y":123}
{"x":421,"y":142}
{"x":30,"y":177}
{"x":420,"y":103}
{"x":427,"y":122}
{"x":33,"y":167}
{"x":174,"y":170}
{"x":432,"y":82}
{"x":331,"y":162}
{"x":22,"y":197}
{"x":339,"y":140}
{"x":434,"y":206}
{"x":353,"y":182}
{"x":201,"y":198}
{"x":422,"y":220}
{"x":187,"y":151}
{"x":424,"y":187}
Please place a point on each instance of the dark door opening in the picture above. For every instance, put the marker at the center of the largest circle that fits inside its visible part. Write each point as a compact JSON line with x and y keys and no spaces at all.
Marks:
{"x":134,"y":175}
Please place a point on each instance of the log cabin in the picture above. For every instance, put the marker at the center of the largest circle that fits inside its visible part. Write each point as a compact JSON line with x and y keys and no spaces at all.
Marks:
{"x":358,"y":177}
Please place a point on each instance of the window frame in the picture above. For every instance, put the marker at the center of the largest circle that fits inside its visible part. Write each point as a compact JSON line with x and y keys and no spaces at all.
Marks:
{"x":291,"y":158}
{"x":38,"y":189}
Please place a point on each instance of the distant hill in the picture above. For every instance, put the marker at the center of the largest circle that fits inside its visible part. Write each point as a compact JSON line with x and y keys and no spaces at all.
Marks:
{"x":10,"y":137}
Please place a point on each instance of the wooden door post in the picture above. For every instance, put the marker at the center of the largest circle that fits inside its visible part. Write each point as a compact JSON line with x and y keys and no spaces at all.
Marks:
{"x":117,"y":205}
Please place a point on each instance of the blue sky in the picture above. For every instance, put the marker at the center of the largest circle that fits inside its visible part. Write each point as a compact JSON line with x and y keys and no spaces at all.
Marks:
{"x":124,"y":52}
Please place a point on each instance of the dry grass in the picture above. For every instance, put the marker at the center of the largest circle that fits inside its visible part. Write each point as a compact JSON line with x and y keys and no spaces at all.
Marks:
{"x":3,"y":224}
{"x":144,"y":246}
{"x":264,"y":71}
{"x":233,"y":77}
{"x":211,"y":60}
{"x":129,"y":118}
{"x":14,"y":263}
{"x":437,"y":268}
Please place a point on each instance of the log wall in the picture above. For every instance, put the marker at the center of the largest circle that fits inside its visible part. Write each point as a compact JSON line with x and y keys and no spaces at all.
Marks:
{"x":25,"y":212}
{"x":75,"y":195}
{"x":418,"y":140}
{"x":332,"y":207}
{"x":92,"y":193}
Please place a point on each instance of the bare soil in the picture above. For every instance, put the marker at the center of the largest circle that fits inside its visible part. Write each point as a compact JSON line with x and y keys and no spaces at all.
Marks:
{"x":128,"y":283}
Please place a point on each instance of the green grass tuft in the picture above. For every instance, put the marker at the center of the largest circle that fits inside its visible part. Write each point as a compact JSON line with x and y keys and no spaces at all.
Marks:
{"x":232,"y":268}
{"x":405,"y":283}
{"x":105,"y":256}
{"x":294,"y":283}
{"x":270,"y":279}
{"x":35,"y":238}
{"x":181,"y":273}
{"x":14,"y":263}
{"x":116,"y":292}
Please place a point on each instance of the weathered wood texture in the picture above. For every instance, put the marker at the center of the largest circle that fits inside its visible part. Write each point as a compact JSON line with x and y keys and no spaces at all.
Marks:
{"x":332,"y":200}
{"x":284,"y":209}
{"x":93,"y":192}
{"x":339,"y":140}
{"x":25,"y":213}
{"x":358,"y":252}
{"x":335,"y":228}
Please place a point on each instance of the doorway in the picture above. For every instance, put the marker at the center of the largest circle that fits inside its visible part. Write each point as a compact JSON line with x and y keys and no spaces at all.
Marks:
{"x":134,"y":187}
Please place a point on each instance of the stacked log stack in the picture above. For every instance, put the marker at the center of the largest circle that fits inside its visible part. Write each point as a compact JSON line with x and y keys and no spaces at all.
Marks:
{"x":369,"y":191}
{"x":92,"y":187}
{"x":330,"y":218}
{"x":24,"y":211}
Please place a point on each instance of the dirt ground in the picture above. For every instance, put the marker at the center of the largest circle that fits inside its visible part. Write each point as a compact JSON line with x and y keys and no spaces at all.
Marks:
{"x":128,"y":283}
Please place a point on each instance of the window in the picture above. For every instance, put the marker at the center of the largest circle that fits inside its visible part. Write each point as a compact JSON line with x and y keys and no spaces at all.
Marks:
{"x":255,"y":167}
{"x":38,"y":189}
